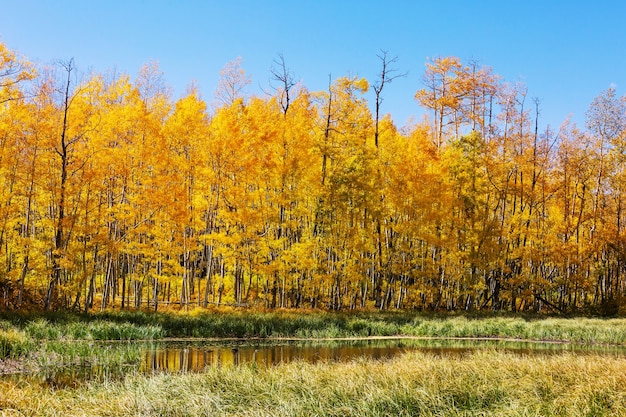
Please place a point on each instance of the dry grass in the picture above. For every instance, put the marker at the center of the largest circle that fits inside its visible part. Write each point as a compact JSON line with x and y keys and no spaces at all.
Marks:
{"x":485,"y":383}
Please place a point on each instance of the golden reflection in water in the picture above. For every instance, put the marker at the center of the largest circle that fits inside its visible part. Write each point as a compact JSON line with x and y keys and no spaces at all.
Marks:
{"x":196,"y":356}
{"x":194,"y":359}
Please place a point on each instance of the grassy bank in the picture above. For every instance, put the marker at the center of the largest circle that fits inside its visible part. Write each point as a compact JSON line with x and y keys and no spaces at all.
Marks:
{"x":41,"y":342}
{"x":21,"y":335}
{"x":246,"y":324}
{"x":486,"y":383}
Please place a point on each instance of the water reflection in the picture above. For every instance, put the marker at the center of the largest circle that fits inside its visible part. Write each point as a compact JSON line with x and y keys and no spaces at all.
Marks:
{"x":190,"y":358}
{"x":117,"y":360}
{"x":196,"y":356}
{"x":72,"y":376}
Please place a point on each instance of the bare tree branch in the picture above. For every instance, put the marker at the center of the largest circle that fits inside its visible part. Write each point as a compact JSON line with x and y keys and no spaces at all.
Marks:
{"x":386,"y":76}
{"x":281,"y":74}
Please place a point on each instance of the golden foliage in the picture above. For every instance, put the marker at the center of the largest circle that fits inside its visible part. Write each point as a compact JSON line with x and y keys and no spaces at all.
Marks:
{"x":116,"y":195}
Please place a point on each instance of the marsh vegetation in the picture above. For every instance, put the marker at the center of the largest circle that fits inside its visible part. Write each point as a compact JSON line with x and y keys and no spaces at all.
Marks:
{"x":484,"y":382}
{"x":109,"y":364}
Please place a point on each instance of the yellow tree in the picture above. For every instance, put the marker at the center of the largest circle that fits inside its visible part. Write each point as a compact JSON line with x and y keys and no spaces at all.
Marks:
{"x":463,"y":98}
{"x":147,"y":235}
{"x":343,"y":223}
{"x":35,"y":118}
{"x":476,"y":247}
{"x":67,"y":153}
{"x":112,"y":164}
{"x":442,"y":94}
{"x":297,"y":195}
{"x":133,"y":159}
{"x":15,"y":72}
{"x":606,"y":122}
{"x":570,"y":216}
{"x":185,"y":134}
{"x":231,"y":156}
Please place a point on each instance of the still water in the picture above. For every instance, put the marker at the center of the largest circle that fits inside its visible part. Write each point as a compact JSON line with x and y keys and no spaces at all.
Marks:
{"x":196,"y":356}
{"x":193,"y":357}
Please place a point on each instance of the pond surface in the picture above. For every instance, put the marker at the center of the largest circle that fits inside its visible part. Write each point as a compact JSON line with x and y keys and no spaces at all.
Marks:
{"x":196,"y":356}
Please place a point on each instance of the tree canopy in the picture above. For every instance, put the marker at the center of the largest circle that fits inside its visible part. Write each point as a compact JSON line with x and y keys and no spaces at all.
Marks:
{"x":115,"y":195}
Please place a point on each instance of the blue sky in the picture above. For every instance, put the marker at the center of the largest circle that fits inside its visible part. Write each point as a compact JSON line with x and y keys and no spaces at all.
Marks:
{"x":566,"y":52}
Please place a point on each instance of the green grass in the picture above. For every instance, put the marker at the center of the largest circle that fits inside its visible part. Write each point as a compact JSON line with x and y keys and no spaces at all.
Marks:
{"x":91,"y":329}
{"x":23,"y":334}
{"x":56,"y":357}
{"x":14,"y":343}
{"x":20,"y":333}
{"x":363,"y":324}
{"x":485,"y":383}
{"x":47,"y":344}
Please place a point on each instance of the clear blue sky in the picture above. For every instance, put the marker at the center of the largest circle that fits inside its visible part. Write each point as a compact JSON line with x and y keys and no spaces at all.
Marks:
{"x":566,"y":52}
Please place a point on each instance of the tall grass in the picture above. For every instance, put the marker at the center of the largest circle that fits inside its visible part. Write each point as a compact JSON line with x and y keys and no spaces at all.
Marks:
{"x":576,"y":330}
{"x":42,"y":344}
{"x":42,"y":329}
{"x":245,"y":324}
{"x":334,"y":325}
{"x":97,"y":359}
{"x":485,"y":383}
{"x":14,"y":343}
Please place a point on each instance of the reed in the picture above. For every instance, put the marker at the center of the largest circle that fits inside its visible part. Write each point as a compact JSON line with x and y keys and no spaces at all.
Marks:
{"x":485,"y":383}
{"x":97,"y":359}
{"x":91,"y":329}
{"x":14,"y":343}
{"x":316,"y":324}
{"x":333,"y":325}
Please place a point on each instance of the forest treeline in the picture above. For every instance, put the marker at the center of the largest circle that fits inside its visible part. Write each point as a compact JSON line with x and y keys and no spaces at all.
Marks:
{"x":114,"y":195}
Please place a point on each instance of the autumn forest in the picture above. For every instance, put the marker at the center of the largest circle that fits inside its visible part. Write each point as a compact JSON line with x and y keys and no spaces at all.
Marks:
{"x":114,"y":195}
